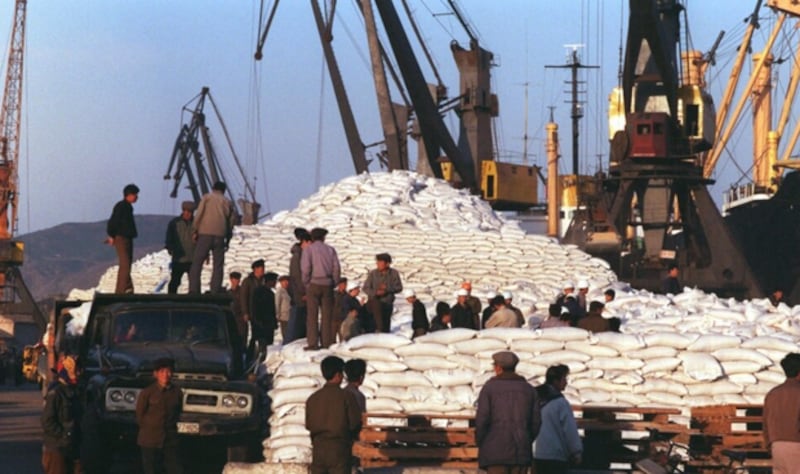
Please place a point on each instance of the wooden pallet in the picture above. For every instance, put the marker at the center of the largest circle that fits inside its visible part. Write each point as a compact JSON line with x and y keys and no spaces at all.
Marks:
{"x":733,"y":427}
{"x":412,"y":440}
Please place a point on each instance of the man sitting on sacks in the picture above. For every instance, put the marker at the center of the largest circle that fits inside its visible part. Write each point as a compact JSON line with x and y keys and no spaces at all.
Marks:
{"x":473,"y":302}
{"x":443,"y":317}
{"x":419,"y":316}
{"x":502,"y":316}
{"x":382,"y":284}
{"x":354,"y":313}
{"x":594,"y":321}
{"x":509,"y":297}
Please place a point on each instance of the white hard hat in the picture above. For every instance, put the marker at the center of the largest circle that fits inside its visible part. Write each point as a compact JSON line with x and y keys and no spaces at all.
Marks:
{"x":462,"y":292}
{"x":508,"y":295}
{"x":568,"y":284}
{"x":583,"y":284}
{"x":352,"y":286}
{"x":564,"y":310}
{"x":409,"y":294}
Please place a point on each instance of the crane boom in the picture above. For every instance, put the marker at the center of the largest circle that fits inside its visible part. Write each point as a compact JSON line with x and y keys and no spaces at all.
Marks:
{"x":10,"y":125}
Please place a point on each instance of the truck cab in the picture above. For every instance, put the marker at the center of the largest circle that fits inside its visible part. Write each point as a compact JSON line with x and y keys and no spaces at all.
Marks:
{"x":125,"y":334}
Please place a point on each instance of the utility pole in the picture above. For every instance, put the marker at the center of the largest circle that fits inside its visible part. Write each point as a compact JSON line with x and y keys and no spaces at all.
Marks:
{"x":574,"y":65}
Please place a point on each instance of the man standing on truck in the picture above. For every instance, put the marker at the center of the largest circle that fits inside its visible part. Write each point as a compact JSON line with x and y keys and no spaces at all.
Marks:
{"x":180,"y":245}
{"x":121,"y":230}
{"x":158,"y":409}
{"x":258,"y":308}
{"x":212,"y":230}
{"x":333,"y":419}
{"x":60,"y":422}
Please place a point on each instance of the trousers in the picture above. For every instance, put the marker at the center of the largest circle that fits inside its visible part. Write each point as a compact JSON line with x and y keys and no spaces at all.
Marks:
{"x":205,"y":244}
{"x":124,"y":248}
{"x":319,"y":303}
{"x":176,"y":275}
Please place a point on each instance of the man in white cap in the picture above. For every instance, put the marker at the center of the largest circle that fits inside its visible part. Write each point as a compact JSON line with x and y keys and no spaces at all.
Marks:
{"x":509,"y":297}
{"x":461,"y":312}
{"x":353,"y":310}
{"x":487,"y":312}
{"x":568,"y":300}
{"x":507,"y":420}
{"x":419,"y":316}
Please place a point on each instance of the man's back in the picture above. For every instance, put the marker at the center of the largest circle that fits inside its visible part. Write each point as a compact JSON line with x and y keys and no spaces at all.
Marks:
{"x":782,"y":413}
{"x":503,"y":318}
{"x":594,"y":323}
{"x":214,"y":215}
{"x":332,"y":414}
{"x":319,"y":264}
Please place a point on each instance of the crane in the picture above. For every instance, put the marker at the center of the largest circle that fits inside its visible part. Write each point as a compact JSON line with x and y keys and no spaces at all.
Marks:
{"x":16,"y":301}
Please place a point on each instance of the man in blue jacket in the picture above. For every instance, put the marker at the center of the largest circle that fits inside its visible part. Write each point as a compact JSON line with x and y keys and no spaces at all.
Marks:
{"x":507,"y":421}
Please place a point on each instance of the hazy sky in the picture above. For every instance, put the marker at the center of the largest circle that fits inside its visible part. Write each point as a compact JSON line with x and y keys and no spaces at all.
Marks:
{"x":105,"y":81}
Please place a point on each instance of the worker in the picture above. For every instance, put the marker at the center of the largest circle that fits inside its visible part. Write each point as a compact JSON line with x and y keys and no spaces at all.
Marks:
{"x":381,"y":285}
{"x":180,"y":245}
{"x":671,"y":285}
{"x":212,"y":230}
{"x":121,"y":230}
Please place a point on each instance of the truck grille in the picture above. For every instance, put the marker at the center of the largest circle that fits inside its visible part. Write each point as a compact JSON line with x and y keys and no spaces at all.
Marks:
{"x":205,"y":400}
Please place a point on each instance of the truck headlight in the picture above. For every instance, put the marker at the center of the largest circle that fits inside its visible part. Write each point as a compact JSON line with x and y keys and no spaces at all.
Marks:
{"x":242,"y":402}
{"x":228,"y":401}
{"x":122,"y":399}
{"x":115,"y":396}
{"x":130,"y":396}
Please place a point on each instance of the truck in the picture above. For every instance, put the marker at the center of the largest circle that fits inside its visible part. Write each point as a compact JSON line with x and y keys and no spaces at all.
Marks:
{"x":122,"y":338}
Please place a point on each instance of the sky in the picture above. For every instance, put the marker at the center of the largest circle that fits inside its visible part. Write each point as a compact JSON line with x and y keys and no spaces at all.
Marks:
{"x":106,"y":80}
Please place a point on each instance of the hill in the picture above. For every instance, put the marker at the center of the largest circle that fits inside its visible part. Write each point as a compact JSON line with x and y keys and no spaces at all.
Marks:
{"x":73,"y":255}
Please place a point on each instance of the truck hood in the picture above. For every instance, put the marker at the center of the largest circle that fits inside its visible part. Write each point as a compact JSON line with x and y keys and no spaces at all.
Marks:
{"x":192,"y":359}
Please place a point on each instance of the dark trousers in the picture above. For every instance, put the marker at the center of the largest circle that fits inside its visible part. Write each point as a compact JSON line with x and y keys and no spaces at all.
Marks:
{"x":124,"y":248}
{"x":161,"y":460}
{"x":257,"y":349}
{"x":319,"y":302}
{"x":176,"y":275}
{"x":297,"y":324}
{"x":382,"y":313}
{"x":506,"y":469}
{"x":331,"y":457}
{"x":550,"y":466}
{"x":205,"y":244}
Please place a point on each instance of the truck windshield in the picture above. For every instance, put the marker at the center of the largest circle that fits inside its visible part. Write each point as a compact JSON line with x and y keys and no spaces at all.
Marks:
{"x":175,"y":326}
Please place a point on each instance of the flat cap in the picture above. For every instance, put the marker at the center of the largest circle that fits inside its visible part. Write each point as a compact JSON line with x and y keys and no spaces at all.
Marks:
{"x":257,"y":263}
{"x":187,"y":206}
{"x":506,"y":360}
{"x":236,"y":275}
{"x":384,"y":257}
{"x":270,"y":276}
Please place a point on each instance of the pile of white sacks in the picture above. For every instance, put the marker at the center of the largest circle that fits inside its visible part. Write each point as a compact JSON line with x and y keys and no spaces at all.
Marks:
{"x":690,"y":349}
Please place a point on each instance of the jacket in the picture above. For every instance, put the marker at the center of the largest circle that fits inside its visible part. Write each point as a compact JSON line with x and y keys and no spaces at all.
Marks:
{"x":214,"y":216}
{"x":593,"y":322}
{"x":462,"y":317}
{"x":319,"y":265}
{"x":419,"y":316}
{"x":283,"y":304}
{"x":179,"y":242}
{"x":61,"y":430}
{"x":558,"y":438}
{"x":782,"y":413}
{"x":438,"y":325}
{"x":333,"y":416}
{"x":258,"y":303}
{"x":297,"y":290}
{"x":157,"y":413}
{"x":121,"y":222}
{"x":507,"y":421}
{"x":503,"y":318}
{"x":390,"y":278}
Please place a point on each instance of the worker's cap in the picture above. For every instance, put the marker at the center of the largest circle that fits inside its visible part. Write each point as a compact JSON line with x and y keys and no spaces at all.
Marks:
{"x":130,"y":189}
{"x":163,"y":362}
{"x":467,"y":285}
{"x":409,"y":294}
{"x":258,"y":263}
{"x":270,"y":276}
{"x":342,"y":280}
{"x":506,"y":360}
{"x":508,"y":295}
{"x":187,"y":206}
{"x":583,"y":284}
{"x":353,"y":285}
{"x":384,"y":257}
{"x":235,"y":275}
{"x":462,"y":292}
{"x":491,"y":294}
{"x":283,"y":277}
{"x":564,"y":310}
{"x":568,"y":284}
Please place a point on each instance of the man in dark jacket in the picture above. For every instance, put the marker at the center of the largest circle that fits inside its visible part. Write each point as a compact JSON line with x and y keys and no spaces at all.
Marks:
{"x":297,"y":290}
{"x":121,"y":230}
{"x":507,"y":420}
{"x":463,"y":316}
{"x":258,"y":308}
{"x":419,"y":316}
{"x":443,"y":318}
{"x":158,"y":409}
{"x":381,"y":285}
{"x":235,"y":290}
{"x":180,"y":245}
{"x":671,"y":285}
{"x":333,"y":419}
{"x":61,"y":433}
